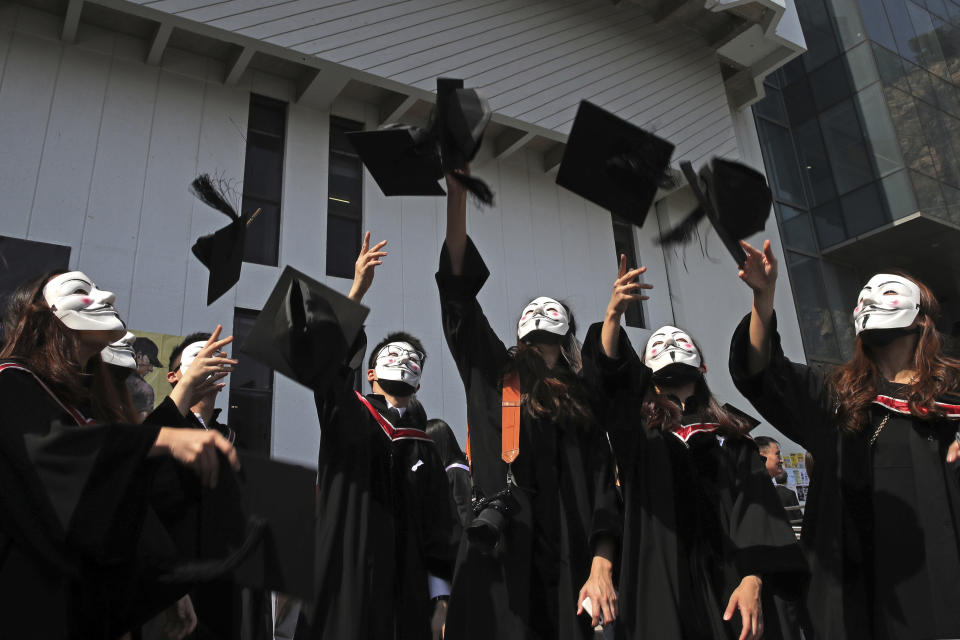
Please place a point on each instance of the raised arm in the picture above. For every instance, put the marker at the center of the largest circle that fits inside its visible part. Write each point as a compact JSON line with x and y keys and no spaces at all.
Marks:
{"x":626,"y":289}
{"x":456,"y":223}
{"x":368,"y":260}
{"x":760,"y":274}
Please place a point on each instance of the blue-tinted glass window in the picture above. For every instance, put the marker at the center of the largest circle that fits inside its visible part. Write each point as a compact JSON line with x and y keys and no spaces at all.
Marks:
{"x":903,"y":33}
{"x":816,"y":321}
{"x":863,"y":210}
{"x":781,"y":163}
{"x":828,"y":222}
{"x":818,"y":32}
{"x":817,"y":174}
{"x":344,"y":200}
{"x":263,"y":178}
{"x":830,"y":83}
{"x":796,"y":227}
{"x":874,"y":18}
{"x":846,"y":147}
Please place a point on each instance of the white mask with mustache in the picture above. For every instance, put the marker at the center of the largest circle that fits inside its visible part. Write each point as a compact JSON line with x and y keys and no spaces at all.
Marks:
{"x":79,"y":305}
{"x":670,"y":345}
{"x":399,"y":362}
{"x":120,"y":353}
{"x":886,"y":302}
{"x":543,"y":314}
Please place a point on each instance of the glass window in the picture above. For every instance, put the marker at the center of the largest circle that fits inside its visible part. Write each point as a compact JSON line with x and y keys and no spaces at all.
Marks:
{"x":771,"y":106}
{"x":938,"y":8}
{"x":828,"y":222}
{"x":951,"y":197}
{"x":863,"y":210}
{"x":846,"y":147}
{"x":818,"y":32}
{"x":23,"y":260}
{"x":890,"y":68}
{"x":781,"y":162}
{"x":842,"y":285}
{"x":906,"y":122}
{"x":903,"y":33}
{"x":344,"y":200}
{"x":799,"y":102}
{"x":881,"y":137}
{"x":935,"y":129}
{"x":929,"y":197}
{"x":830,"y":83}
{"x":797,"y":231}
{"x":263,"y":178}
{"x":816,"y":321}
{"x":814,"y":166}
{"x":625,"y":244}
{"x":927,"y":43}
{"x":898,"y":193}
{"x":876,"y":24}
{"x":251,"y":392}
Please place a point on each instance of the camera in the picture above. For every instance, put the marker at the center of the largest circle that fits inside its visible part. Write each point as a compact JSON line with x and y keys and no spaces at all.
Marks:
{"x":491,"y":520}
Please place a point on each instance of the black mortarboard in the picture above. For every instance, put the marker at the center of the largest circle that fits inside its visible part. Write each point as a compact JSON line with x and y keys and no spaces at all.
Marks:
{"x":220,"y":252}
{"x":305,"y":329}
{"x":284,"y":497}
{"x":613,"y":163}
{"x":403,"y":159}
{"x":750,"y":420}
{"x":460,"y":118}
{"x":734,"y":197}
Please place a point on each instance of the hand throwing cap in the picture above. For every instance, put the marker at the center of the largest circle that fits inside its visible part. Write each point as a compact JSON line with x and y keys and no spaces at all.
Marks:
{"x":220,"y":252}
{"x":403,"y":159}
{"x":613,"y":163}
{"x":460,"y":118}
{"x":733,"y":196}
{"x":305,"y":329}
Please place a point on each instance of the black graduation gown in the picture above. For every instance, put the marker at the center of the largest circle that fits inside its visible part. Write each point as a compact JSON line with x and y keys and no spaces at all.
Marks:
{"x":461,"y":492}
{"x":881,"y":523}
{"x":384,"y":519}
{"x":72,"y":508}
{"x":698,"y":515}
{"x":528,"y":588}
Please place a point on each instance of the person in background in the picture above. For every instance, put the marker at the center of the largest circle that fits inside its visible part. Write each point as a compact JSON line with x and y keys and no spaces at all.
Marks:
{"x":203,"y":414}
{"x":770,"y":450}
{"x":456,"y":466}
{"x":142,"y":394}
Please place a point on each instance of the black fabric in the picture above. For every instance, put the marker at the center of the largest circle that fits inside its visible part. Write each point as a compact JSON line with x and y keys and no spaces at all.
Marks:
{"x":788,"y":498}
{"x":698,"y":517}
{"x":528,"y":587}
{"x":881,"y":523}
{"x":461,"y":492}
{"x":404,"y":160}
{"x":384,"y":520}
{"x":72,"y":509}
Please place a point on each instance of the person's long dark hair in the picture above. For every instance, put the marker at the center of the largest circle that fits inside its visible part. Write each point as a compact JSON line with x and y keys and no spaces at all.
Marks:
{"x":36,"y":338}
{"x":446,"y":442}
{"x":660,"y":412}
{"x":555,"y":393}
{"x":856,"y":382}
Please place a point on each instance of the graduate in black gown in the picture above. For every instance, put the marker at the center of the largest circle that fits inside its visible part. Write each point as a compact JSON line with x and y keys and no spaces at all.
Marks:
{"x":457,"y":468}
{"x":882,"y":520}
{"x":77,"y":470}
{"x":555,"y":546}
{"x":386,"y":529}
{"x":704,"y":533}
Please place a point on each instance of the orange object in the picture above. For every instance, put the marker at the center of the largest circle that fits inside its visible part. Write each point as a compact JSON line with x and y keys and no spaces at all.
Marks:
{"x":510,"y":418}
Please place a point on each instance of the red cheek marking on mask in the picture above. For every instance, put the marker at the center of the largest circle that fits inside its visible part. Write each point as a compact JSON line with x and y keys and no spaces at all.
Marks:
{"x":87,"y":300}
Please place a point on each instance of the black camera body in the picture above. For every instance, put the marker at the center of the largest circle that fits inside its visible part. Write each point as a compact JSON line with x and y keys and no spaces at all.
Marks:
{"x":491,"y":520}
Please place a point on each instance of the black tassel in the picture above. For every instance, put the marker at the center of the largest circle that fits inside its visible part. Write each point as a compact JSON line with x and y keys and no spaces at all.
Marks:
{"x":477,"y":187}
{"x":683,"y":232}
{"x":212,"y":194}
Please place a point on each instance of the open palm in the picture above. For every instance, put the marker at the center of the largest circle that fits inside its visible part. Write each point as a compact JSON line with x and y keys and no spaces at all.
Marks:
{"x":760,"y":269}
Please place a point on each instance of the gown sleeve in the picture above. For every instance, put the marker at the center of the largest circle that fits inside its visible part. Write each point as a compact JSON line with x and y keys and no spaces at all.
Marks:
{"x":461,"y":492}
{"x":344,"y":421}
{"x":475,"y":347}
{"x":441,"y":527}
{"x":82,"y":486}
{"x":792,"y":397}
{"x":763,"y":540}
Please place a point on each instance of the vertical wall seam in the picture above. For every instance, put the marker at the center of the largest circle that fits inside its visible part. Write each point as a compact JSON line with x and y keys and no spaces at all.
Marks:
{"x":46,"y":130}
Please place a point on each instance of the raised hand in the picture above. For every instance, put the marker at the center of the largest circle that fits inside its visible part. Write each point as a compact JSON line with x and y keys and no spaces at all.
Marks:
{"x":368,"y":260}
{"x":211,"y":365}
{"x":746,"y":598}
{"x":626,"y":289}
{"x":760,"y":269}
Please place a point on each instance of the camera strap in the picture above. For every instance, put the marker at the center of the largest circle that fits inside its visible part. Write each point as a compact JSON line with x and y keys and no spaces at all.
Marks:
{"x":510,"y":423}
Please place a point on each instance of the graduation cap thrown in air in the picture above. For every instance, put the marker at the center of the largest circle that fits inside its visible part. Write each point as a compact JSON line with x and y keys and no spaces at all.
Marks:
{"x":734,"y":197}
{"x":459,"y":120}
{"x":220,"y":252}
{"x":750,"y":420}
{"x":305,"y":329}
{"x":614,"y":163}
{"x":404,"y":160}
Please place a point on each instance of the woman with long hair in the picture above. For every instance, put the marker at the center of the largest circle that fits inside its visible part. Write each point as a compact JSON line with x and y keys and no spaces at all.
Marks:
{"x":545,"y":534}
{"x":704,"y":533}
{"x":457,"y":468}
{"x":76,"y":473}
{"x":882,"y":522}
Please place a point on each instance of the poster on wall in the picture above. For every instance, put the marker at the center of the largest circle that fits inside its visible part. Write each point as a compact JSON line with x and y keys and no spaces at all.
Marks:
{"x":148,"y":386}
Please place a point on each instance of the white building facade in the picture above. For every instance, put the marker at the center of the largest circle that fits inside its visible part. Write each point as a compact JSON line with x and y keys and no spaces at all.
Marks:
{"x":109,"y":108}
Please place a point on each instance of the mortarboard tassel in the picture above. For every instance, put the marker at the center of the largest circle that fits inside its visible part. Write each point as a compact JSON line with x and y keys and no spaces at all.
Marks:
{"x":477,"y":187}
{"x":212,"y":195}
{"x":683,"y":232}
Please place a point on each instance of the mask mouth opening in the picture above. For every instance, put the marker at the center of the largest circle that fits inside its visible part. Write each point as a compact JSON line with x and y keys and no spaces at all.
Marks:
{"x":541,"y":336}
{"x":397,"y":388}
{"x":881,"y":337}
{"x":676,"y":373}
